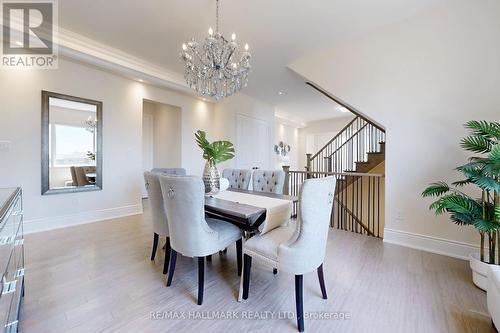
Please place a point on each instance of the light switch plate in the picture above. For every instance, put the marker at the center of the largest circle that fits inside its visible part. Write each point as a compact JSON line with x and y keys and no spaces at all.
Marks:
{"x":5,"y":145}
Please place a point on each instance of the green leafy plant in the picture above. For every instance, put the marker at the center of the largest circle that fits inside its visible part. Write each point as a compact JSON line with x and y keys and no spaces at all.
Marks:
{"x":482,"y":171}
{"x":215,"y":152}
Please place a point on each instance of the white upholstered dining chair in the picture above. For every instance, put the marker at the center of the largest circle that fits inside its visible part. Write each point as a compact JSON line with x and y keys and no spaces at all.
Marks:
{"x":271,"y":181}
{"x":158,"y":215}
{"x":300,"y":248}
{"x":238,"y":178}
{"x":191,"y":234}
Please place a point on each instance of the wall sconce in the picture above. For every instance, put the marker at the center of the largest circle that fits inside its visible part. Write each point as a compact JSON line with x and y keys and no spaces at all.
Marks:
{"x":282,"y":149}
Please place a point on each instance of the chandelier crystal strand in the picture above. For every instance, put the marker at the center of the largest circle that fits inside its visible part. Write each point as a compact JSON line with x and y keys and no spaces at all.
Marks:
{"x":217,"y":68}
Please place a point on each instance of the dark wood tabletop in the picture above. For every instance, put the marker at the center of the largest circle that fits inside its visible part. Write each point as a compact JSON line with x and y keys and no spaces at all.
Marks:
{"x":246,"y":217}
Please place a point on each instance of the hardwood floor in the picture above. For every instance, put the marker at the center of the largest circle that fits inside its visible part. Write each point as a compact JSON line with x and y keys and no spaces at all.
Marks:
{"x":99,"y":278}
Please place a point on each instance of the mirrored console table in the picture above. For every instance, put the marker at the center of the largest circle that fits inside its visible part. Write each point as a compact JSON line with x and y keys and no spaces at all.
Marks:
{"x":11,"y":257}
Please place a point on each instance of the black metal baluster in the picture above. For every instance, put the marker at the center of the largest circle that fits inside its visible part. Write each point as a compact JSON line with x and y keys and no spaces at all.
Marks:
{"x":362,"y":212}
{"x":353,"y":205}
{"x":373,"y":206}
{"x":369,"y":199}
{"x":378,"y":205}
{"x":357,"y":202}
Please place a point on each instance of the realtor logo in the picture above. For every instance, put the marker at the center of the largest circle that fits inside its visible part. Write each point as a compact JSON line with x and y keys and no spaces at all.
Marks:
{"x":28,"y":34}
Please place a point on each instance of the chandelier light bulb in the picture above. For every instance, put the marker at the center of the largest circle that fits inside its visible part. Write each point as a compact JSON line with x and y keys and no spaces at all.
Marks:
{"x":184,"y":47}
{"x":210,"y":31}
{"x":246,"y":47}
{"x":233,"y":36}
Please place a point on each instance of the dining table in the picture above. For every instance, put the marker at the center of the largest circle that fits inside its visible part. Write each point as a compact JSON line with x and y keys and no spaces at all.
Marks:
{"x":246,"y":216}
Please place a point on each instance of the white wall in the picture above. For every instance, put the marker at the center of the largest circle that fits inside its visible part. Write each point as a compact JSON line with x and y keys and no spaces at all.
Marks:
{"x":287,"y":132}
{"x":422,"y":79}
{"x":226,"y":113}
{"x":331,"y":125}
{"x":167,"y":143}
{"x":122,"y":140}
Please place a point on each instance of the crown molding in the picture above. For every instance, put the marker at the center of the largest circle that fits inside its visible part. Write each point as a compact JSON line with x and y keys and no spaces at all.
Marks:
{"x":80,"y":48}
{"x":71,"y":45}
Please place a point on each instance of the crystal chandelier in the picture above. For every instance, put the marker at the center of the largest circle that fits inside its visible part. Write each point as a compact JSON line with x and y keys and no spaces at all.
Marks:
{"x":217,"y":68}
{"x":90,"y":124}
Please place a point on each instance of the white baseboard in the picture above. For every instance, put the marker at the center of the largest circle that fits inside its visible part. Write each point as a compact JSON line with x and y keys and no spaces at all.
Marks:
{"x":57,"y":222}
{"x":430,"y":244}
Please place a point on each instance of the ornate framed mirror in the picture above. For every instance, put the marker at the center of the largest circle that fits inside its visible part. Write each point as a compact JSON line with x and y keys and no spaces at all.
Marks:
{"x":71,"y":144}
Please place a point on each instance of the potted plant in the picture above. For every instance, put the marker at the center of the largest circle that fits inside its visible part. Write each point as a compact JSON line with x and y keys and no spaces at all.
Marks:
{"x":214,"y":153}
{"x":483,"y":172}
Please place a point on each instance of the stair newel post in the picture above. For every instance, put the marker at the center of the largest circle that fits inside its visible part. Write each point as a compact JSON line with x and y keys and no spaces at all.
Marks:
{"x":308,"y":165}
{"x":286,"y":186}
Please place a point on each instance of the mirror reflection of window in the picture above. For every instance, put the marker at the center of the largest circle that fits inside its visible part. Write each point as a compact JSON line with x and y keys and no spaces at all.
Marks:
{"x":72,"y":143}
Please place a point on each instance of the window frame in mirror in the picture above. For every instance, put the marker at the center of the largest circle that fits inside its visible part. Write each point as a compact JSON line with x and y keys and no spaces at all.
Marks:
{"x":45,"y":179}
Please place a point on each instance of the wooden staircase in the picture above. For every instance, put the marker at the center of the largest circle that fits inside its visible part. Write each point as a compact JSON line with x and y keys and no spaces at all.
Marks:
{"x":364,"y":167}
{"x":355,"y":156}
{"x":373,"y":159}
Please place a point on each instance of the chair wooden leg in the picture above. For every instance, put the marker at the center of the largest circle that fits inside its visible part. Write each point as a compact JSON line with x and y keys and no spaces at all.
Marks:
{"x":155,"y":245}
{"x":321,"y":279}
{"x":167,"y":256}
{"x":209,"y":258}
{"x":275,"y":271}
{"x":171,"y":269}
{"x":246,"y":274}
{"x":299,"y":302}
{"x":239,"y":250}
{"x":201,"y":279}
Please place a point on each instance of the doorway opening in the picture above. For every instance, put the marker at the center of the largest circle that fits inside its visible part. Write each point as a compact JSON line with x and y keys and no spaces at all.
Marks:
{"x":161,"y":136}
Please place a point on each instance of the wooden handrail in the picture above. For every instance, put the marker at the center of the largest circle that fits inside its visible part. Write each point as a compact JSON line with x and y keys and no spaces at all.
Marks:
{"x":354,"y":174}
{"x":335,"y":137}
{"x":347,"y":106}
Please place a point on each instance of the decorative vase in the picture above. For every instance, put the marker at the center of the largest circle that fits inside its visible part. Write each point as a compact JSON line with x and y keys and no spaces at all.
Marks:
{"x":211,"y":178}
{"x":479,"y":270}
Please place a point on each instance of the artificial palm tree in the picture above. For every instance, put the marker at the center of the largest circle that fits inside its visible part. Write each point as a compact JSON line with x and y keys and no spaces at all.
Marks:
{"x":482,"y":171}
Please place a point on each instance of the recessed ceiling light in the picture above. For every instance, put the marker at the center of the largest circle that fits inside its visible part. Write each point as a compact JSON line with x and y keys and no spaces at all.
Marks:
{"x":280,"y":93}
{"x":342,"y":109}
